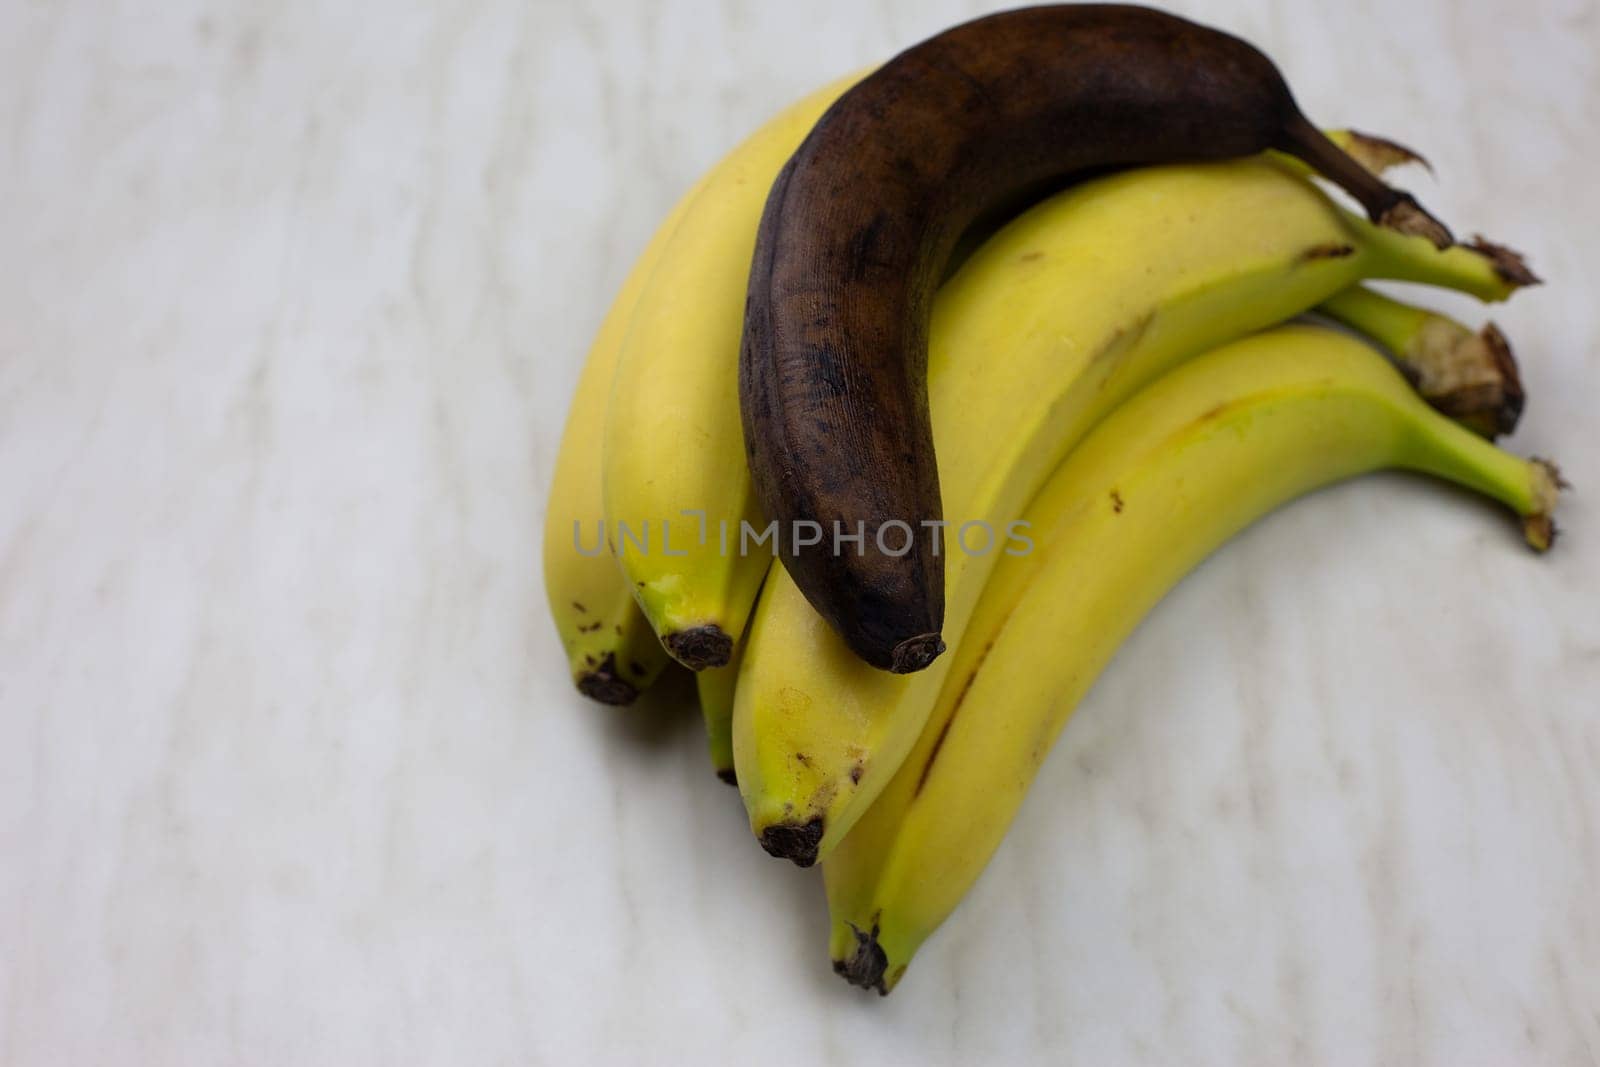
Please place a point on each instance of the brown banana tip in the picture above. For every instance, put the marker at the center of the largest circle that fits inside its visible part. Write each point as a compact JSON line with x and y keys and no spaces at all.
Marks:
{"x":700,"y":647}
{"x":1378,"y":154}
{"x":915,"y":653}
{"x":602,"y":683}
{"x":796,"y":842}
{"x":1510,"y":265}
{"x":1406,"y":216}
{"x":727,"y":775}
{"x":866,"y":964}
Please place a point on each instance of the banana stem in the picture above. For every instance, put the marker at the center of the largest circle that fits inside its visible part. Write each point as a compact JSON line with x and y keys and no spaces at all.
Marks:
{"x":1465,"y":268}
{"x":1471,"y":377}
{"x":1528,"y":487}
{"x":1391,"y":323}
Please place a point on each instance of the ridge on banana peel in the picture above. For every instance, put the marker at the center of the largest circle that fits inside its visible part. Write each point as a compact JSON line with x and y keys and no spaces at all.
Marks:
{"x":611,"y":651}
{"x":1053,"y":321}
{"x":1176,"y":471}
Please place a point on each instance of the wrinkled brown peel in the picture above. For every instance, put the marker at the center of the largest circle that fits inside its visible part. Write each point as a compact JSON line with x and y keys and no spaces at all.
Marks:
{"x":700,"y":647}
{"x":796,"y":842}
{"x":605,"y":684}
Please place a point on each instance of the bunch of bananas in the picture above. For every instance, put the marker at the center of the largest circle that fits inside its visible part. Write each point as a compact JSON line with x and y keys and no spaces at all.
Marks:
{"x":1114,"y":390}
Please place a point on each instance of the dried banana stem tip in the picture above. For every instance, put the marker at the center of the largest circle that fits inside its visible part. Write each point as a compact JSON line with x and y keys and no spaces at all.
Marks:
{"x":1406,"y":216}
{"x":866,"y":964}
{"x":796,"y":842}
{"x":1539,"y":525}
{"x":915,"y":653}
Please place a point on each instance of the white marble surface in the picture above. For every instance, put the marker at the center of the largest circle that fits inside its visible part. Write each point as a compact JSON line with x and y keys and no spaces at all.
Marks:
{"x":292,"y":296}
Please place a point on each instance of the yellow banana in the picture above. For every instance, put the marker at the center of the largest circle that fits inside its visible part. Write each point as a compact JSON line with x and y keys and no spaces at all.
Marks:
{"x":1154,"y":489}
{"x":611,"y":650}
{"x":1052,"y":322}
{"x":676,"y":484}
{"x":1460,"y":372}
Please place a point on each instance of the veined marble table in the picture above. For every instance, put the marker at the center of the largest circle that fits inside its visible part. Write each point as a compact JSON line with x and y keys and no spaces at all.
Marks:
{"x":292,"y":299}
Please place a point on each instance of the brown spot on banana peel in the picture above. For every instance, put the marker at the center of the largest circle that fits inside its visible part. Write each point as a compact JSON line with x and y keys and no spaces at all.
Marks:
{"x":604,"y":684}
{"x":700,"y":647}
{"x":1123,"y":339}
{"x":861,"y":221}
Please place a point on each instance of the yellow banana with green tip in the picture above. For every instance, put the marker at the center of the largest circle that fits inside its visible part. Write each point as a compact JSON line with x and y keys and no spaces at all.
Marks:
{"x":1155,"y":488}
